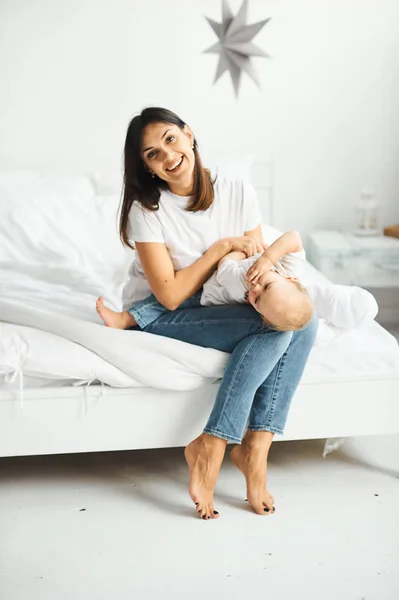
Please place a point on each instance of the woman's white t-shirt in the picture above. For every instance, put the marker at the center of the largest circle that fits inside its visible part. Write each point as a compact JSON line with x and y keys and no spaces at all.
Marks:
{"x":188,"y":235}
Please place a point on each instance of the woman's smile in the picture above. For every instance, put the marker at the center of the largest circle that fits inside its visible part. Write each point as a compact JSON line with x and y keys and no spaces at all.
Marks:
{"x":176,"y":166}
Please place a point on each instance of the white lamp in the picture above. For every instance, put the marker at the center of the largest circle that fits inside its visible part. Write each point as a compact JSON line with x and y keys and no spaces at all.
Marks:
{"x":367,"y":214}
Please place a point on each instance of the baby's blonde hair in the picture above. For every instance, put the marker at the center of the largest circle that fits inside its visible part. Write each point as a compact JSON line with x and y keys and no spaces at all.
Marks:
{"x":295,"y":320}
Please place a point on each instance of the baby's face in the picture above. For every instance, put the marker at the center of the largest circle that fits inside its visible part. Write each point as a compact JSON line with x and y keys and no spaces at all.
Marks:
{"x":273,"y":295}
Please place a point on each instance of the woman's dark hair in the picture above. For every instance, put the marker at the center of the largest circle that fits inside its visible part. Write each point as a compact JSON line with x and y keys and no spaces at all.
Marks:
{"x":139,"y":185}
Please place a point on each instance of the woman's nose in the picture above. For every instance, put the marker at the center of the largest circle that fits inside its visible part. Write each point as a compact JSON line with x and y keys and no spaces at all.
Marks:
{"x":169,"y":154}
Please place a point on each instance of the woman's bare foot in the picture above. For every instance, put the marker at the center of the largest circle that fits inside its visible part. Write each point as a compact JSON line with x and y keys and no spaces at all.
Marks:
{"x":118,"y":320}
{"x":251,"y":459}
{"x":204,"y":457}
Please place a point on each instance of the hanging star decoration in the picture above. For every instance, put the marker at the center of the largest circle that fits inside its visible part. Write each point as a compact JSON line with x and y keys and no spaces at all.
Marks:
{"x":235,"y":46}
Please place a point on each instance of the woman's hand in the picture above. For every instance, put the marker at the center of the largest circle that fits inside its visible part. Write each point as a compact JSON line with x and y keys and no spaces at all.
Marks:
{"x":244,"y":243}
{"x":259,"y":268}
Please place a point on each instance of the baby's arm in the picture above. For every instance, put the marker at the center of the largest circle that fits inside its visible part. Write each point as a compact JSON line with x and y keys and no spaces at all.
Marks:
{"x":285,"y":244}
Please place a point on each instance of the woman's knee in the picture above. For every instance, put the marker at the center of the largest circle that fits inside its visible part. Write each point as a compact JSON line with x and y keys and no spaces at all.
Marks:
{"x":281,"y":339}
{"x":308,"y":334}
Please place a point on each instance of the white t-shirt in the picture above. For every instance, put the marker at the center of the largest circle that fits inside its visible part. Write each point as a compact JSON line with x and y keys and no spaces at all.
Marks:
{"x":229,"y":283}
{"x":188,"y":235}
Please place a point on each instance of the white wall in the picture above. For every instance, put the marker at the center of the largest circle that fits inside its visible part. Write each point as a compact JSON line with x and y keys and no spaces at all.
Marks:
{"x":72,"y":74}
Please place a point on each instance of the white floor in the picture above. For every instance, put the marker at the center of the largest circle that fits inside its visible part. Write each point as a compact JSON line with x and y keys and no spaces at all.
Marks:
{"x":121,"y":525}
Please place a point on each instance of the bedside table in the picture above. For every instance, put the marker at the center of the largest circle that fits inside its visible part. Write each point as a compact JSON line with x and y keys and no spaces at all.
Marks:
{"x":351,"y":260}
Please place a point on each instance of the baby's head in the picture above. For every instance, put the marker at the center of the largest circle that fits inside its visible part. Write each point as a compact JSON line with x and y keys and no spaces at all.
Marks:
{"x":282,"y":301}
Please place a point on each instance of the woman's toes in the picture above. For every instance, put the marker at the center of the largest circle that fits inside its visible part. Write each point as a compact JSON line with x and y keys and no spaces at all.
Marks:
{"x":260,"y":510}
{"x":206,"y":512}
{"x":268,"y":508}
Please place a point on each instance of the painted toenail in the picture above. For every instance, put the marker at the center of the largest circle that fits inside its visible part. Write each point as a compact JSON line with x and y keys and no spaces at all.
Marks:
{"x":215,"y":512}
{"x":196,"y":504}
{"x":203,"y":516}
{"x":266,"y":509}
{"x":208,"y":517}
{"x":274,"y":509}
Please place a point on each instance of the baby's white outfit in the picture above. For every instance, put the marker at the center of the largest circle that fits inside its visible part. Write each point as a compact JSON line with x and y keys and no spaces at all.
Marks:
{"x":229,"y":283}
{"x":342,"y":306}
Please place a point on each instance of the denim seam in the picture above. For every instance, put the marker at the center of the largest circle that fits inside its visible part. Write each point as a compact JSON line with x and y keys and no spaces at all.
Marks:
{"x":229,"y":438}
{"x":273,"y":393}
{"x":276,"y":386}
{"x":267,"y":428}
{"x":137,"y":318}
{"x":212,"y":322}
{"x":135,"y":311}
{"x":233,"y":379}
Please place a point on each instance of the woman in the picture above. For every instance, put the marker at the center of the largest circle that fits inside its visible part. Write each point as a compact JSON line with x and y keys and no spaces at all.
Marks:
{"x":182,"y":223}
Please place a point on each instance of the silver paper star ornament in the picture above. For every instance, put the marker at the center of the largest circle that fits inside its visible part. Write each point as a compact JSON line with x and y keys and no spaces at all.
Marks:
{"x":235,"y":46}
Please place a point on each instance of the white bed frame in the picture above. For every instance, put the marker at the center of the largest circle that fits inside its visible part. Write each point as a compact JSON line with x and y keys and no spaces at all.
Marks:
{"x":75,"y":419}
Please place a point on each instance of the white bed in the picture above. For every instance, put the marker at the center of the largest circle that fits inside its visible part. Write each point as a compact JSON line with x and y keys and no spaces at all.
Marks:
{"x":350,"y":386}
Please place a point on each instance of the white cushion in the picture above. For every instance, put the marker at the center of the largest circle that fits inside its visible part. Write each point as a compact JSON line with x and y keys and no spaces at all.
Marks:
{"x":57,"y":220}
{"x":37,"y":353}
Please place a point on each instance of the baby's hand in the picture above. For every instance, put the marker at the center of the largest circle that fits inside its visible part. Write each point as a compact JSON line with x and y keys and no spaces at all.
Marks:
{"x":261,"y":266}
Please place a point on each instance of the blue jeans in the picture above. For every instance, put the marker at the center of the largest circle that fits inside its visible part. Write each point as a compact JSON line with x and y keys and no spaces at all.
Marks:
{"x":262,"y":373}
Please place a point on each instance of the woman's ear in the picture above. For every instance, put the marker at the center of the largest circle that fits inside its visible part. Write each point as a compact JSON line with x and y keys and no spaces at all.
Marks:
{"x":189,"y":134}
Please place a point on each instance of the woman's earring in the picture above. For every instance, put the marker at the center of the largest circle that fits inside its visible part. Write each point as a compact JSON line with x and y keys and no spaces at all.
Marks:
{"x":153,"y":175}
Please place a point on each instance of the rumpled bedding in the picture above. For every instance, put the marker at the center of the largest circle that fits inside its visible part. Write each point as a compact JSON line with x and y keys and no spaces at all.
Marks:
{"x":59,"y":251}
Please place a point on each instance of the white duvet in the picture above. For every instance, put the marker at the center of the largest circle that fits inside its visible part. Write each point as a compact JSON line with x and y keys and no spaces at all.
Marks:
{"x":51,"y":329}
{"x":59,"y":251}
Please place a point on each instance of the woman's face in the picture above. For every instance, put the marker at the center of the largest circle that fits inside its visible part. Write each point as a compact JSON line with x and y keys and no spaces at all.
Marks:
{"x":167,"y":152}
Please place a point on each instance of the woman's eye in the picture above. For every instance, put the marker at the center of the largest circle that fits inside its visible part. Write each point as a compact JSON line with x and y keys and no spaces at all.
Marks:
{"x":150,"y":155}
{"x":171,"y":138}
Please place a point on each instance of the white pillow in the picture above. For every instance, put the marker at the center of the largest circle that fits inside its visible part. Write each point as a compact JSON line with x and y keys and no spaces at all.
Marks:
{"x":23,"y":184}
{"x":56,"y":220}
{"x":36,"y":353}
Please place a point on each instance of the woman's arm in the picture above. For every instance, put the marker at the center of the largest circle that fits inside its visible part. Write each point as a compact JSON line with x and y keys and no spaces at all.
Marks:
{"x":171,"y":287}
{"x":255,"y":233}
{"x":232,"y":256}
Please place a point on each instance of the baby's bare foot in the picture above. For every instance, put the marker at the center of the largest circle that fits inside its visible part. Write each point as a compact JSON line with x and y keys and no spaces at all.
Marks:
{"x":204,"y":457}
{"x":117,"y":320}
{"x":252,"y":462}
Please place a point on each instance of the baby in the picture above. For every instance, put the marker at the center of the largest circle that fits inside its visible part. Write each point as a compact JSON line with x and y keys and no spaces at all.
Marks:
{"x":269,"y":281}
